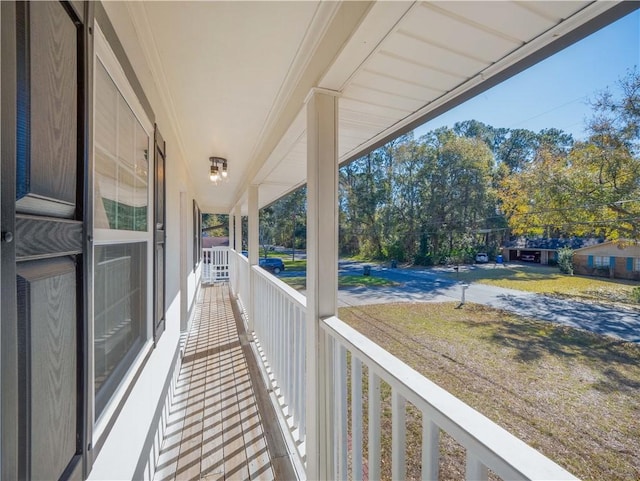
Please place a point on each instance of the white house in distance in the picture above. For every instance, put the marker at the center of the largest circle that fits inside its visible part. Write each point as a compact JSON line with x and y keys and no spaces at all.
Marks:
{"x":110,"y":113}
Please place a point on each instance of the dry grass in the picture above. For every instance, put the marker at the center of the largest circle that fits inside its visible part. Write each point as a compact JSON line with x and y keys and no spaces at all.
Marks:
{"x":570,"y":394}
{"x":548,"y":280}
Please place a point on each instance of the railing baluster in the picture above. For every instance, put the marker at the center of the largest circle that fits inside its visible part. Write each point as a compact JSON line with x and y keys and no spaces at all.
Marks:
{"x":476,"y":471}
{"x":430,"y":448}
{"x":398,"y":435}
{"x":280,"y":342}
{"x":373,"y":460}
{"x":294,"y":363}
{"x":340,"y":387}
{"x":356,"y":417}
{"x":216,"y":264}
{"x":302,"y":360}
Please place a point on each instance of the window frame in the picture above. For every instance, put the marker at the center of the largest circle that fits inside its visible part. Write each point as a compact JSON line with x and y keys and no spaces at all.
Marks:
{"x":159,"y":234}
{"x":104,"y":54}
{"x":600,"y":261}
{"x":197,"y":235}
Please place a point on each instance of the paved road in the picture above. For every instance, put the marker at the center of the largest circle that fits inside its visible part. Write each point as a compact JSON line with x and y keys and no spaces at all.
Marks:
{"x":430,"y":286}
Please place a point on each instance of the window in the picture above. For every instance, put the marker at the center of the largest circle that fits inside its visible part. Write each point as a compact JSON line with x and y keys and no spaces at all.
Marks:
{"x":601,"y":261}
{"x":121,"y":161}
{"x":637,"y":264}
{"x":123,"y":255}
{"x":119,"y":313}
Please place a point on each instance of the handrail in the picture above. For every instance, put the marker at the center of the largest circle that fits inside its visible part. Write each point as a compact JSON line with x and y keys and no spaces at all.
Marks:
{"x":486,"y":442}
{"x":216,"y":263}
{"x":289,"y":291}
{"x":279,"y":330}
{"x":279,"y":325}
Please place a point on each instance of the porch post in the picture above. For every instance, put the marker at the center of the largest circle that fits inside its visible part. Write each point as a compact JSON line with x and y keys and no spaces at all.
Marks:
{"x":322,"y":277}
{"x":237,"y":237}
{"x":232,"y":258}
{"x":253,"y":248}
{"x":231,"y":237}
{"x":238,"y":231}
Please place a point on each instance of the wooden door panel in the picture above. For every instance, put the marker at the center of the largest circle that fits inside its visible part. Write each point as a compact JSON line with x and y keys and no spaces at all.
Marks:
{"x":42,"y":197}
{"x":43,"y":237}
{"x":47,"y":315}
{"x":48,"y":102}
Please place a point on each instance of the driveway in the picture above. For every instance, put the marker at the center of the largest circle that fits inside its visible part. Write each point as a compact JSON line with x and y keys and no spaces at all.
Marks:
{"x":430,"y":286}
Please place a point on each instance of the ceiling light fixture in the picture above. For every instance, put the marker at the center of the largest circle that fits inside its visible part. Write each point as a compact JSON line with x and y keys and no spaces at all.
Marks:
{"x":218,"y":170}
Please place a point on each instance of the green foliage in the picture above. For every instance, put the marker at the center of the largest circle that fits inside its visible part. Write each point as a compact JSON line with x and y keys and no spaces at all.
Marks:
{"x":394,"y":250}
{"x":215,"y":225}
{"x":458,"y":191}
{"x":125,"y":217}
{"x":422,"y":260}
{"x":590,"y":189}
{"x":635,"y":294}
{"x":284,"y":223}
{"x":565,"y":260}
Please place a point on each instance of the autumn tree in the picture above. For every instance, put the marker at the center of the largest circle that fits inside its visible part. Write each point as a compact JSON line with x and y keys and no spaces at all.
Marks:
{"x":594,"y":188}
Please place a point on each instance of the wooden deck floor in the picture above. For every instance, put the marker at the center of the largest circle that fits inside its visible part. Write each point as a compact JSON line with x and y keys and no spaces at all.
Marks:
{"x":215,"y":430}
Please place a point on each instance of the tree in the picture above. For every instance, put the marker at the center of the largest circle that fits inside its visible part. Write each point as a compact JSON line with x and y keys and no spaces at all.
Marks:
{"x":591,"y":188}
{"x":267,"y":229}
{"x":565,"y":260}
{"x":215,"y":225}
{"x":290,"y":214}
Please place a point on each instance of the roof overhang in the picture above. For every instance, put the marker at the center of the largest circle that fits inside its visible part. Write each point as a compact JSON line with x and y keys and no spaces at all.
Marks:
{"x":396,"y":65}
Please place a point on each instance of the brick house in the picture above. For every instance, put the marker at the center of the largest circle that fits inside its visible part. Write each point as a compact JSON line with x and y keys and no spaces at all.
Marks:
{"x":615,"y":259}
{"x":542,"y":250}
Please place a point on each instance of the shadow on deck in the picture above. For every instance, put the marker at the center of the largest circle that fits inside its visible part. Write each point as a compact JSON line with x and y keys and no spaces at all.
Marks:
{"x":221,"y":424}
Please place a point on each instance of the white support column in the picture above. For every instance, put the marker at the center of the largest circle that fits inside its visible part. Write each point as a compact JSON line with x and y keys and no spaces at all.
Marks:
{"x":322,"y":277}
{"x":231,"y":231}
{"x":237,"y":238}
{"x":253,"y":247}
{"x":233,"y":267}
{"x":238,"y":230}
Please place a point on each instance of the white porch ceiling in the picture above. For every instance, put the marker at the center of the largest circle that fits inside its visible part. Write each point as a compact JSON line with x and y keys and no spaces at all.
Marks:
{"x":235,"y":74}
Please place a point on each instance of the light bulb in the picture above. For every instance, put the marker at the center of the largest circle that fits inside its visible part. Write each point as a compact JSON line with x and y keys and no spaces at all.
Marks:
{"x":214,"y":175}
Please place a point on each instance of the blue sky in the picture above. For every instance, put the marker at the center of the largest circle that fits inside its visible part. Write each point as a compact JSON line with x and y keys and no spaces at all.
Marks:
{"x":556,"y":91}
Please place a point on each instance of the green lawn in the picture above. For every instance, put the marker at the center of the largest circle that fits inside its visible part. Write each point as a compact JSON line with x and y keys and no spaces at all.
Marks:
{"x":572,"y":395}
{"x":297,"y":265}
{"x":289,"y":265}
{"x":343,"y":281}
{"x":548,"y":280}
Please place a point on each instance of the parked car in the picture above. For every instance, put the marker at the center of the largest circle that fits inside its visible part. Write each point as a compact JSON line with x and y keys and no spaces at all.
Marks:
{"x":272,"y":264}
{"x":482,"y":258}
{"x":528,"y":258}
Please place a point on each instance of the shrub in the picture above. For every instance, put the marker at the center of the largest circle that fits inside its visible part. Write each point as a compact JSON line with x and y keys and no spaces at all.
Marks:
{"x":565,"y":260}
{"x":393,"y":250}
{"x":635,"y":294}
{"x":422,"y":260}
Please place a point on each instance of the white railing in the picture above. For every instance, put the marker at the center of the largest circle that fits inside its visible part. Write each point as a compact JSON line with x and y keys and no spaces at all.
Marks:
{"x":279,"y":318}
{"x":279,"y":329}
{"x":488,"y":446}
{"x":243,"y":282}
{"x":215,"y":264}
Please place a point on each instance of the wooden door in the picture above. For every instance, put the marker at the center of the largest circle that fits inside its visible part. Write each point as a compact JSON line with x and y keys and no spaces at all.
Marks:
{"x":43,"y":176}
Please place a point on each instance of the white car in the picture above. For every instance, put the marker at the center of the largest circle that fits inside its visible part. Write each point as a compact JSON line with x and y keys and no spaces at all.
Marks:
{"x":482,"y":258}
